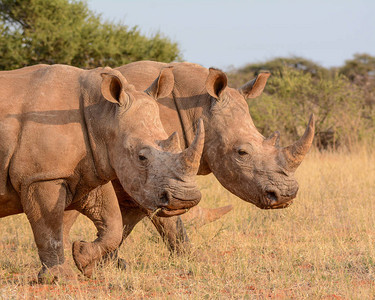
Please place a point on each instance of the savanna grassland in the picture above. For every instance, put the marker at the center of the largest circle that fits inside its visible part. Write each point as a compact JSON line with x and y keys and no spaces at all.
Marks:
{"x":321,"y":247}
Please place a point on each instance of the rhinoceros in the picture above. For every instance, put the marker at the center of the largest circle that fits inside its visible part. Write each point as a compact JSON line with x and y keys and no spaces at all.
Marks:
{"x":66,"y":132}
{"x":249,"y":165}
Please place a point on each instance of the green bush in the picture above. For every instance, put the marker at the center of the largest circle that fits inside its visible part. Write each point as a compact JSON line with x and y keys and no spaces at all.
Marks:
{"x":63,"y":31}
{"x":344,"y":116}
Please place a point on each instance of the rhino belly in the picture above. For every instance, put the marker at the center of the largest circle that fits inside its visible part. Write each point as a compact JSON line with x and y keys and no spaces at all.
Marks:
{"x":10,"y":203}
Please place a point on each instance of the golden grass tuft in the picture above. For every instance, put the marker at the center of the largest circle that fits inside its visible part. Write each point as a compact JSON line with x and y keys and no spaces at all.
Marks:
{"x":320,"y":247}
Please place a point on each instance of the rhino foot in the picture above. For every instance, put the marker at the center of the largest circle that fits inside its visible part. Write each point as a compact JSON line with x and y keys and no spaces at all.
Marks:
{"x":56,"y":273}
{"x":83,"y":254}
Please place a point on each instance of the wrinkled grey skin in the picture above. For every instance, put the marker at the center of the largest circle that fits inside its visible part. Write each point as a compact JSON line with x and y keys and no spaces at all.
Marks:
{"x":65,"y":134}
{"x":252,"y":167}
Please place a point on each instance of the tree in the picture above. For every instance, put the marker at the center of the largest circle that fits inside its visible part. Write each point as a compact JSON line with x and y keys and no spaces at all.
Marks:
{"x":66,"y":31}
{"x":361,"y":67}
{"x":361,"y":71}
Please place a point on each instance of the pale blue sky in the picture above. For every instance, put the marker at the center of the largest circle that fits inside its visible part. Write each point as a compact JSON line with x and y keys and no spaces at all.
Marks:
{"x":236,"y":32}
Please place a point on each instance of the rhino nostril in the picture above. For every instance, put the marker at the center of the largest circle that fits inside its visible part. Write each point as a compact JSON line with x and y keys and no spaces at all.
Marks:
{"x":164,"y":198}
{"x":271,"y":196}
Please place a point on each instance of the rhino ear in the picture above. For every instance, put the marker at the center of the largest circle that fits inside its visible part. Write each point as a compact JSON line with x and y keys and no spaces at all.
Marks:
{"x":216,"y":82}
{"x":255,"y":87}
{"x":112,"y":89}
{"x":163,"y":85}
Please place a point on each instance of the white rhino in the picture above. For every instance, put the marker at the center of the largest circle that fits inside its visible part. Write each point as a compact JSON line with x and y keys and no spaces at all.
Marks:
{"x":66,"y":132}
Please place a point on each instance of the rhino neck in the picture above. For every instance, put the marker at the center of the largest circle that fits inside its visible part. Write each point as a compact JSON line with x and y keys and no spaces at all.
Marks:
{"x":189,"y":110}
{"x":95,"y":125}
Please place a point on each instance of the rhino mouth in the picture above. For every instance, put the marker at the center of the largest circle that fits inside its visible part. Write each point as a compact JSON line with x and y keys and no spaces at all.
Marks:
{"x":179,"y":202}
{"x":166,"y":212}
{"x":272,"y":200}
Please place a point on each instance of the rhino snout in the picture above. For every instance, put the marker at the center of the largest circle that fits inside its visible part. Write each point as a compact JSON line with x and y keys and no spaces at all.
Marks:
{"x":179,"y":199}
{"x":274,"y":198}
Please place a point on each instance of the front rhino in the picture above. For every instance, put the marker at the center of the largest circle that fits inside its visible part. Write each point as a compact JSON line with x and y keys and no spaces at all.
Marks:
{"x":68,"y":132}
{"x":149,"y":167}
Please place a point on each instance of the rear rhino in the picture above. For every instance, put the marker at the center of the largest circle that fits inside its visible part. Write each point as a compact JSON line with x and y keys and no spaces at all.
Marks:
{"x":252,"y":167}
{"x":67,"y":132}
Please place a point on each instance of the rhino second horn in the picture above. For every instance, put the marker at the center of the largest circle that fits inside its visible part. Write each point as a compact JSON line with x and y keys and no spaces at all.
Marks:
{"x":190,"y":157}
{"x":273,"y":139}
{"x":171,"y":144}
{"x":294,"y":154}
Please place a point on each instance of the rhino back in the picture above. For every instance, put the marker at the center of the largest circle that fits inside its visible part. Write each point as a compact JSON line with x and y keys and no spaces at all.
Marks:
{"x":188,"y":88}
{"x":40,"y":122}
{"x":142,"y":73}
{"x":189,"y":77}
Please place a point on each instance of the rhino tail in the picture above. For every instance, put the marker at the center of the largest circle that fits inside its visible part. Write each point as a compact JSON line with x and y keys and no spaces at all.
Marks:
{"x":199,"y":216}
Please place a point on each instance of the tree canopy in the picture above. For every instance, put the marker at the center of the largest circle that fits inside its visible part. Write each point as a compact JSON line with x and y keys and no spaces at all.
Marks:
{"x":361,"y":67}
{"x":68,"y":32}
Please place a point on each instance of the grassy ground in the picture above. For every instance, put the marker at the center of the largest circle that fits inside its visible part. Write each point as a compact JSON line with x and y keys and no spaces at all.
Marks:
{"x":322,"y":247}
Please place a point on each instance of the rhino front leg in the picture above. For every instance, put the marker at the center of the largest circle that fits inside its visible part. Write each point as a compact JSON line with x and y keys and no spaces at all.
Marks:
{"x":103,"y":209}
{"x":173,"y":232}
{"x":43,"y":204}
{"x":131,"y":216}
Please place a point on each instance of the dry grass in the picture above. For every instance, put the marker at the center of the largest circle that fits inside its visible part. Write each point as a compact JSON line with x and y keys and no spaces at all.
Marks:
{"x":322,"y":247}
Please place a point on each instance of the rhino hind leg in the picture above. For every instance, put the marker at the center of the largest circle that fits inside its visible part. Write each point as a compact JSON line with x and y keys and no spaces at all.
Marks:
{"x":173,"y":232}
{"x":44,"y":204}
{"x":131,"y":216}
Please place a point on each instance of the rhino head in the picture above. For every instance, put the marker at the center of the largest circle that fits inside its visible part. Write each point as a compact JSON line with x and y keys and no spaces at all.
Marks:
{"x":252,"y":167}
{"x":149,"y":165}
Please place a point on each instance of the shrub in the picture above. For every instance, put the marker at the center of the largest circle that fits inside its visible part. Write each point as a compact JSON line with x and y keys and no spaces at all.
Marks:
{"x":343,"y":115}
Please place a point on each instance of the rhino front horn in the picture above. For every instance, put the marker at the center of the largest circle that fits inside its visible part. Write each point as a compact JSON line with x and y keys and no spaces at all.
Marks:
{"x":191,"y":157}
{"x":294,"y":154}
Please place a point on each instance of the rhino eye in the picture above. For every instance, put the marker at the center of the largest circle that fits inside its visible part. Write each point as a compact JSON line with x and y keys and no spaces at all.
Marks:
{"x":142,"y":157}
{"x":144,"y":154}
{"x":241,"y":152}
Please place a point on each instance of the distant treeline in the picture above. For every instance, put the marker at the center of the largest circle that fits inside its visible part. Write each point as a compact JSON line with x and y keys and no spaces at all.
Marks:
{"x":67,"y":32}
{"x":342,"y":99}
